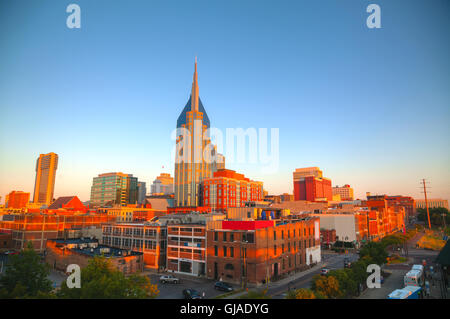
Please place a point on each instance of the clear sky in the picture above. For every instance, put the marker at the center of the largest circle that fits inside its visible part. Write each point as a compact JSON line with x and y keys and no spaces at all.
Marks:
{"x":370,"y":107}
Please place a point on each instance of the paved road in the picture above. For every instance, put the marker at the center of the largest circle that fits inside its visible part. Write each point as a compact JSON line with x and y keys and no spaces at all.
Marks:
{"x":392,"y":282}
{"x":329,"y":260}
{"x":174,"y":291}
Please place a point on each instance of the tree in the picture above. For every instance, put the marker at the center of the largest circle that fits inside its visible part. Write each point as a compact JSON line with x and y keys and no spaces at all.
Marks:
{"x":25,"y":276}
{"x":375,"y":252}
{"x":256,"y":295}
{"x":301,"y":293}
{"x":326,"y":286}
{"x":347,"y":285}
{"x":99,"y":280}
{"x":437,"y":215}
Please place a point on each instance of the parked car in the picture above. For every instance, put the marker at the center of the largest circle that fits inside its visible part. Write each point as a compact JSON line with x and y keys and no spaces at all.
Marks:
{"x":191,"y":294}
{"x":169,"y":279}
{"x":324,"y":271}
{"x":347,"y":263}
{"x":220,"y":285}
{"x":11,"y":252}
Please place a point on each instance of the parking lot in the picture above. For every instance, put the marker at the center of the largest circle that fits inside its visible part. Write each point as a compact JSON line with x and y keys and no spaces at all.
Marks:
{"x":174,"y":291}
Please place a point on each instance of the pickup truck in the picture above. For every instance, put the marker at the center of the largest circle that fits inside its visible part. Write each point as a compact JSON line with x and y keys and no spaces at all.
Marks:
{"x":169,"y":279}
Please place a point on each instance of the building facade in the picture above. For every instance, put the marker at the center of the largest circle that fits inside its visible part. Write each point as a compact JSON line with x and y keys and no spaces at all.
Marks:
{"x":114,"y":188}
{"x":142,"y":192}
{"x":162,"y":185}
{"x":60,"y":253}
{"x":310,"y":185}
{"x":38,"y":228}
{"x":44,"y":185}
{"x":186,"y":249}
{"x":345,"y":192}
{"x":255,"y":252}
{"x":17,"y":199}
{"x":432,"y":203}
{"x":147,"y":238}
{"x":229,"y":189}
{"x":196,"y":156}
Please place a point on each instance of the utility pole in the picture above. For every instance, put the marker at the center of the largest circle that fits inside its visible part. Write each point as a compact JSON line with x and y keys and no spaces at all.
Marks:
{"x":426,"y":201}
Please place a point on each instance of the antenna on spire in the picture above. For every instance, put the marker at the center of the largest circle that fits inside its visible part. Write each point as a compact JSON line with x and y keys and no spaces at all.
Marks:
{"x":194,"y":93}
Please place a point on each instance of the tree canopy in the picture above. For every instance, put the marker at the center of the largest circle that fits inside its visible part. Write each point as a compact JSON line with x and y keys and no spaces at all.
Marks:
{"x":100,"y":280}
{"x":25,"y":276}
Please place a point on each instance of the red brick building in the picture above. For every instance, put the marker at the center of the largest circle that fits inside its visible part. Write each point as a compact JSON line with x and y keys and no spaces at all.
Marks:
{"x":60,"y":253}
{"x":37,"y":228}
{"x":147,"y":238}
{"x":310,"y":185}
{"x":230,"y":189}
{"x":17,"y":199}
{"x":256,"y":251}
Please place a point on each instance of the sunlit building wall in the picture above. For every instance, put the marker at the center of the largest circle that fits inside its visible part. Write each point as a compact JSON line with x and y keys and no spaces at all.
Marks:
{"x":44,"y":186}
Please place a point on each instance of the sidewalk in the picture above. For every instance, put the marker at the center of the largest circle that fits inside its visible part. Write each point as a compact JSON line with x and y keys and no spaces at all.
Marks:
{"x":281,"y":282}
{"x":297,"y":276}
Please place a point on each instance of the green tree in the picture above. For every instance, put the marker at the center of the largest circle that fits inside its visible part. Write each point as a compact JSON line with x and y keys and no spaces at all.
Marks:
{"x":437,"y":216}
{"x":326,"y":286}
{"x":374,"y":252}
{"x":256,"y":295}
{"x":25,"y":276}
{"x":347,"y":285}
{"x":99,"y":280}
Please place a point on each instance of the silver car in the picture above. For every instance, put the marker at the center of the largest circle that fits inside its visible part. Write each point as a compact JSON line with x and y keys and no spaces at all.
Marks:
{"x":169,"y":279}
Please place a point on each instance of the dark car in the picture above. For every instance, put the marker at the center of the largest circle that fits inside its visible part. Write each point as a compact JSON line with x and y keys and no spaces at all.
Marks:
{"x":347,"y":263}
{"x":220,"y":285}
{"x":191,"y":294}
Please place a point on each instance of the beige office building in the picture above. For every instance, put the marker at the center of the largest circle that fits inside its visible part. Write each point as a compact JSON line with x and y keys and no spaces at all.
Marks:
{"x":345,"y":192}
{"x":432,"y":203}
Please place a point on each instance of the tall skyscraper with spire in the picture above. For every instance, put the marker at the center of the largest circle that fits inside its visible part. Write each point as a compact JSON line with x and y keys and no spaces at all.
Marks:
{"x":196,"y":157}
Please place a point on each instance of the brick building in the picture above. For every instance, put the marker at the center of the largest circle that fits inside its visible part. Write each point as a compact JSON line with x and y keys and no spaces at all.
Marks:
{"x":147,"y":238}
{"x":5,"y":241}
{"x":230,"y":189}
{"x":254,"y":251}
{"x":38,"y":228}
{"x":60,"y":253}
{"x":17,"y":199}
{"x":310,"y":185}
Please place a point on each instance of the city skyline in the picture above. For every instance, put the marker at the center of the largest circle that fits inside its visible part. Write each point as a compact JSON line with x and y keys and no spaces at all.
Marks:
{"x":97,"y":110}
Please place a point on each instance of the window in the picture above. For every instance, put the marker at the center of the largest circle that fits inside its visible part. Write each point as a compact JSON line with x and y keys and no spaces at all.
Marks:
{"x":216,"y":251}
{"x":282,"y":248}
{"x":274,"y":235}
{"x":216,"y":236}
{"x":224,"y":236}
{"x":275,"y":250}
{"x":231,"y":251}
{"x":224,"y":251}
{"x":231,"y":237}
{"x":282,"y":234}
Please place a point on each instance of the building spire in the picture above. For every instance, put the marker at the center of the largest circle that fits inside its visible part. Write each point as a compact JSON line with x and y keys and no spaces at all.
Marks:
{"x":194,"y":93}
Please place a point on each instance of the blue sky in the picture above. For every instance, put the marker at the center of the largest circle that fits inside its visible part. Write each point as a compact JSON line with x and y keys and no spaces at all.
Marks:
{"x":370,"y":107}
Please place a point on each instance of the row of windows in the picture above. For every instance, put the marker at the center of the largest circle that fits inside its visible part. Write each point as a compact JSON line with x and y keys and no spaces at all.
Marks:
{"x":227,"y":251}
{"x":131,"y":243}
